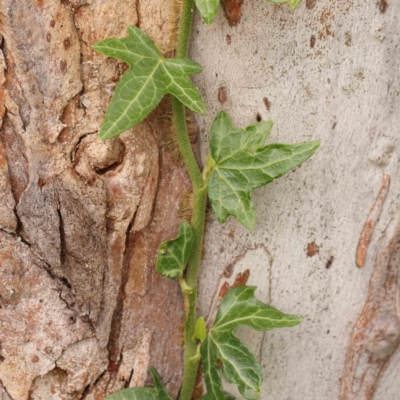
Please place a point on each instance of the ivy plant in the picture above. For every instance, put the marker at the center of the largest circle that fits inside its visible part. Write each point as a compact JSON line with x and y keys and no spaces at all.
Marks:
{"x":148,"y":79}
{"x":239,"y":366}
{"x":174,"y":254}
{"x":239,"y":161}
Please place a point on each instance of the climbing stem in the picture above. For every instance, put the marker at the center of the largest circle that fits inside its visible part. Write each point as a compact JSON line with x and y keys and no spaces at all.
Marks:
{"x":191,"y":362}
{"x":185,"y":28}
{"x":184,"y":144}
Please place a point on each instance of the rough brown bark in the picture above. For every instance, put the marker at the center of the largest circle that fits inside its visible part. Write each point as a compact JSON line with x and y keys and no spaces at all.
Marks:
{"x":82,"y":311}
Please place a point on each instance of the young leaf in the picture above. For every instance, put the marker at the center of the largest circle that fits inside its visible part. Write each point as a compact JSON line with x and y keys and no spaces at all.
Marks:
{"x":208,"y":9}
{"x":200,"y":332}
{"x":148,"y":79}
{"x":156,"y":393}
{"x":239,"y":366}
{"x":240,"y":162}
{"x":173,"y":255}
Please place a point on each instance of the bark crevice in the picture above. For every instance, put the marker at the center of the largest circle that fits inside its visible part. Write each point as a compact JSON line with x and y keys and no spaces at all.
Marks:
{"x":114,"y":350}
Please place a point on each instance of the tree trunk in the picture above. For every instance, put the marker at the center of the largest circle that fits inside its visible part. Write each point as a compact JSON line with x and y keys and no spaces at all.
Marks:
{"x":327,"y":71}
{"x":83,"y":312}
{"x":81,"y":219}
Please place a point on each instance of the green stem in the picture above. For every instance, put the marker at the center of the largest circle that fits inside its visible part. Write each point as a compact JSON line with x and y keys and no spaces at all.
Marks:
{"x":184,"y":144}
{"x":199,"y":208}
{"x":192,"y":272}
{"x":190,"y":299}
{"x":185,"y":28}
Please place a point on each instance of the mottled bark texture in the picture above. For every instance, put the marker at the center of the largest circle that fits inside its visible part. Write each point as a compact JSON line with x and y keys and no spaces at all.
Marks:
{"x":82,"y":311}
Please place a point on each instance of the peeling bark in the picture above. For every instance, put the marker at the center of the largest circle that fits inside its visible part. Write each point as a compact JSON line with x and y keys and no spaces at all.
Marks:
{"x":376,"y":334}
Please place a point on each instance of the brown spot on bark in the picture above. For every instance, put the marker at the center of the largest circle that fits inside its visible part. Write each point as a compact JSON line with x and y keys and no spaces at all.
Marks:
{"x":35,"y":359}
{"x":329,"y":262}
{"x":228,"y":271}
{"x":383,"y":5}
{"x":40,"y":183}
{"x":222,"y":95}
{"x":371,"y":221}
{"x":258,"y":117}
{"x":69,"y":118}
{"x":224,"y":290}
{"x":63,"y":66}
{"x":310,"y":4}
{"x":267,"y":103}
{"x":65,"y":135}
{"x":67,"y":43}
{"x":52,"y":23}
{"x":240,"y":280}
{"x":48,"y":37}
{"x":312,"y":249}
{"x":233,"y":11}
{"x":312,"y":41}
{"x":228,"y":39}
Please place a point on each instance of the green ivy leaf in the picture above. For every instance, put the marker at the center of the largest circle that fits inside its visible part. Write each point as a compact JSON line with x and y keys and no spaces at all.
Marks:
{"x":208,"y":9}
{"x":239,"y":162}
{"x":173,"y":255}
{"x":239,"y":366}
{"x":148,"y":79}
{"x":156,"y":393}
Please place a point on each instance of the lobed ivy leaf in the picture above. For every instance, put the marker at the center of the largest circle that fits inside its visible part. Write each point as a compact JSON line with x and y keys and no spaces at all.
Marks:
{"x":239,"y":162}
{"x":156,"y":393}
{"x":208,"y":9}
{"x":173,"y":255}
{"x":239,"y":366}
{"x":150,"y":76}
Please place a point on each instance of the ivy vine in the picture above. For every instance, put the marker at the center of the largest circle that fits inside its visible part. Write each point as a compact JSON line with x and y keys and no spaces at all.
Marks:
{"x":238,"y":162}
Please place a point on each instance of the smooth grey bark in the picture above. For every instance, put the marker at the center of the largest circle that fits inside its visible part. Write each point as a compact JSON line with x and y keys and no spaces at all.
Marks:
{"x":83,"y":312}
{"x":327,"y":71}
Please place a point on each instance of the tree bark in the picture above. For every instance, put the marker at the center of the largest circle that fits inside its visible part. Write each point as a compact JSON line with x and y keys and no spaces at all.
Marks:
{"x":82,"y":311}
{"x":328,"y":71}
